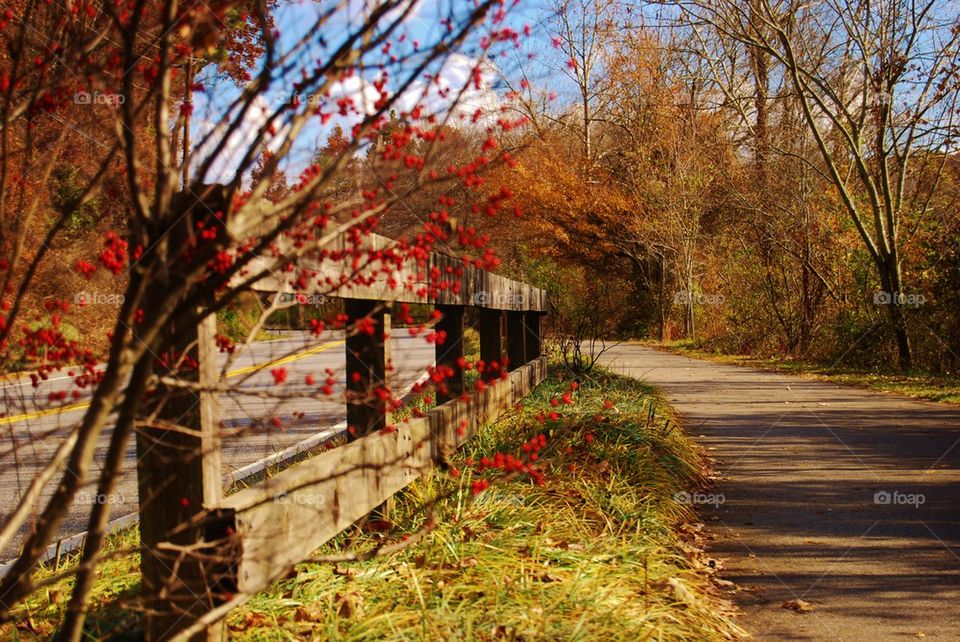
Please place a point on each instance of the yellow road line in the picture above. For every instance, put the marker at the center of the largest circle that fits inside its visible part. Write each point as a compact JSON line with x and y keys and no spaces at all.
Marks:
{"x":232,"y":373}
{"x":41,"y":413}
{"x":287,"y":359}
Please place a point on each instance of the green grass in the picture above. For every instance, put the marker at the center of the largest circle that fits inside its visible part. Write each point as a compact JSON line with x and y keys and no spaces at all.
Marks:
{"x":599,"y":551}
{"x":917,"y":385}
{"x":116,"y":588}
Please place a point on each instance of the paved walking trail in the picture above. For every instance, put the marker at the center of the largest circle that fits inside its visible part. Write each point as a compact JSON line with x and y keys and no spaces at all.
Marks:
{"x":823,"y":487}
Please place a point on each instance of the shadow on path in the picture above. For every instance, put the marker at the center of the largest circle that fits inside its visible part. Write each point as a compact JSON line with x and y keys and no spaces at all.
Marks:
{"x":845,"y":498}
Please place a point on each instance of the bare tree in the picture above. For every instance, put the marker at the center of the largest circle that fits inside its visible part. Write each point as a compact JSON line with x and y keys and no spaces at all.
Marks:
{"x":584,"y":32}
{"x":877,"y":87}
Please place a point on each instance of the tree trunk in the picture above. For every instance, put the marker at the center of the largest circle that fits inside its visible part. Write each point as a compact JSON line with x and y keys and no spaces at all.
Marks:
{"x":662,"y":296}
{"x":890,"y":279}
{"x":691,"y":309}
{"x":806,"y":314}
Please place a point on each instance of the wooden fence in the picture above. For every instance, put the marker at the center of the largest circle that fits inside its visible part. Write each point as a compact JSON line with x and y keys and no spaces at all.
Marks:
{"x":205,"y":553}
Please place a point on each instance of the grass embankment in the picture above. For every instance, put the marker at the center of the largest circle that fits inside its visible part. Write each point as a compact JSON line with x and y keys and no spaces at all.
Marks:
{"x":599,"y":551}
{"x":916,"y":385}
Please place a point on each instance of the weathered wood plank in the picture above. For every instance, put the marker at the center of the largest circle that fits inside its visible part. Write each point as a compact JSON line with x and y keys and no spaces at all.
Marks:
{"x":410,"y":281}
{"x":284,"y":519}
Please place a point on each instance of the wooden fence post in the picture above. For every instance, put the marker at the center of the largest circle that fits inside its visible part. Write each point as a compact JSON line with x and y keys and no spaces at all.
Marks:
{"x":491,"y":342}
{"x":368,"y":356}
{"x":516,"y":340}
{"x":532,"y":335}
{"x":179,"y":476}
{"x":449,"y":354}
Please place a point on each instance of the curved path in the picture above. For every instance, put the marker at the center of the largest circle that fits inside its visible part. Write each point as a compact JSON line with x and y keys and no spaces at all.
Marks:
{"x":846,"y":499}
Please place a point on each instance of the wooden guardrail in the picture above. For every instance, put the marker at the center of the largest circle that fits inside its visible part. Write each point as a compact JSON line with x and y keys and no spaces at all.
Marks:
{"x":205,"y":553}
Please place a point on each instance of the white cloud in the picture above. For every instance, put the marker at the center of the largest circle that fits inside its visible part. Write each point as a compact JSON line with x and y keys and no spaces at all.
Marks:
{"x":439,"y":97}
{"x":357,"y":95}
{"x":224,"y":168}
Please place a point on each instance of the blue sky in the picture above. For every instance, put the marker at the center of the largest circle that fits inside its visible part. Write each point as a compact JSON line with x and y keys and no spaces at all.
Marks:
{"x":295,"y":20}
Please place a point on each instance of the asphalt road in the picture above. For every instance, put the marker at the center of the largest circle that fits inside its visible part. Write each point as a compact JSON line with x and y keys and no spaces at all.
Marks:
{"x":846,"y":499}
{"x":32,"y":427}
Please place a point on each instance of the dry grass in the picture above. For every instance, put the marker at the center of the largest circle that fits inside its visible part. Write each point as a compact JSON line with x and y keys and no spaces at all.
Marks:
{"x":601,"y":551}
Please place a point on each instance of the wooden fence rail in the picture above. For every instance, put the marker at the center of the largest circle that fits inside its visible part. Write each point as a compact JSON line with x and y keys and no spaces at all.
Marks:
{"x":202,"y":549}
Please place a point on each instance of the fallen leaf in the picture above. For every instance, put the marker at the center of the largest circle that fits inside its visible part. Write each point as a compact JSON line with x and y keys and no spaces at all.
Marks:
{"x":378,"y":525}
{"x":311,"y":612}
{"x":546,"y":577}
{"x":301,"y":615}
{"x":349,"y":604}
{"x":800,"y":606}
{"x":250,"y":620}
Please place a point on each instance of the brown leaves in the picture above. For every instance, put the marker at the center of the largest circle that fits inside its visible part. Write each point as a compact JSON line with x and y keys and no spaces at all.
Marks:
{"x":39,"y":629}
{"x":250,"y":621}
{"x":377,"y":526}
{"x":308,"y":613}
{"x":345,"y":571}
{"x":562,"y":544}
